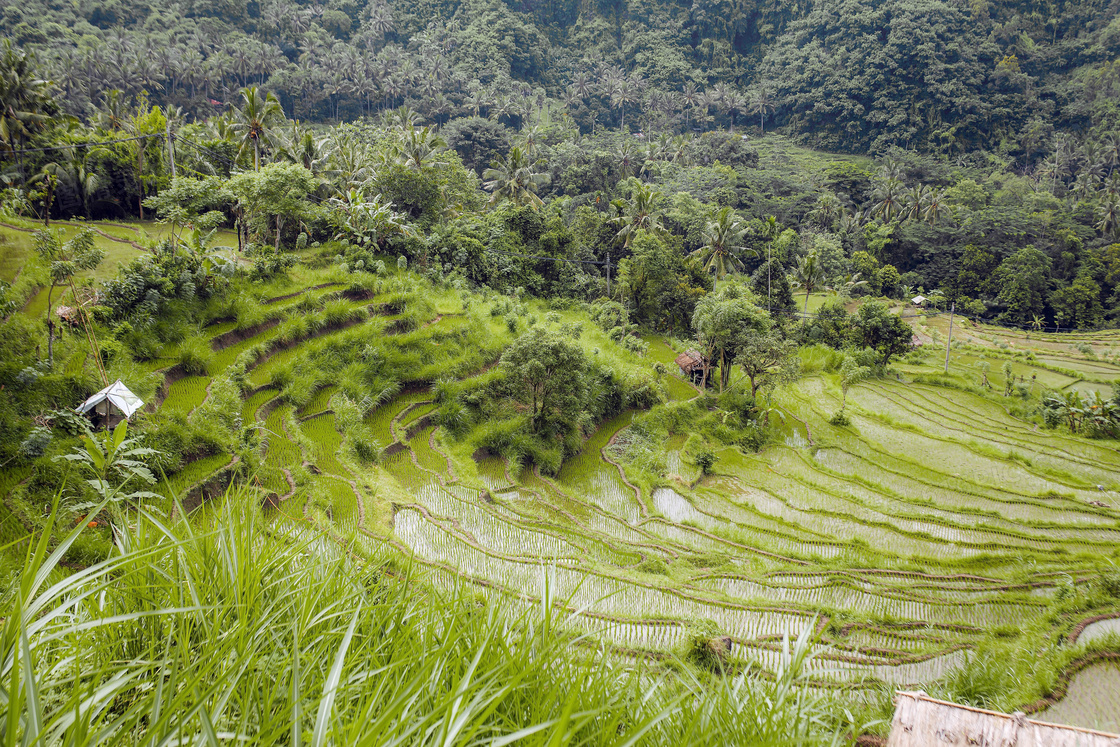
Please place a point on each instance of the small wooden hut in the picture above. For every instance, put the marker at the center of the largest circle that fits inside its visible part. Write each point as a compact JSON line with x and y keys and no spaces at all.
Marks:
{"x":693,"y":366}
{"x":919,"y":720}
{"x":111,"y":405}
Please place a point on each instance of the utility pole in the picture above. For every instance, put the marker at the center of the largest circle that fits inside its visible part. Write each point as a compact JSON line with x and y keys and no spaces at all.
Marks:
{"x":608,"y":275}
{"x":952,"y":310}
{"x":768,"y":245}
{"x":170,"y":149}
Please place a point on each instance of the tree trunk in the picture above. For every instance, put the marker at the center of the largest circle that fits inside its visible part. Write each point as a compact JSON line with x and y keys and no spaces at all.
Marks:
{"x":50,"y":327}
{"x":139,"y":178}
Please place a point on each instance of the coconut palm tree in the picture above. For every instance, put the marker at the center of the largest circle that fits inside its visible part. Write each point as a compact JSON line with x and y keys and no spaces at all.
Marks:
{"x":723,"y":245}
{"x":847,"y":285}
{"x":26,"y":102}
{"x":810,"y":275}
{"x":1109,"y":215}
{"x":514,"y":179}
{"x":419,"y":146}
{"x":253,"y":122}
{"x":889,"y":199}
{"x":636,"y":214}
{"x":761,"y":103}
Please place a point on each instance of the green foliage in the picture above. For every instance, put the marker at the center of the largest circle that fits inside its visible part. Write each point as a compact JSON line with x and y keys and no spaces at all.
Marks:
{"x":873,"y":326}
{"x":547,"y":373}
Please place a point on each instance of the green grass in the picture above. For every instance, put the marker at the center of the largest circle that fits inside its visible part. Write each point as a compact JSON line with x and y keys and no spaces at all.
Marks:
{"x":293,"y":623}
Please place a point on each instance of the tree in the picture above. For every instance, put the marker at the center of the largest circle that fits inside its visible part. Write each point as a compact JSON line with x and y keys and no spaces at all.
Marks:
{"x":1079,"y":303}
{"x":478,"y":141}
{"x":419,"y":147}
{"x":724,"y":242}
{"x":767,"y":360}
{"x":761,"y":102}
{"x":661,"y":287}
{"x":273,"y":194}
{"x":639,"y":213}
{"x":26,"y":101}
{"x":546,"y":372}
{"x":720,"y":322}
{"x":514,"y":179}
{"x":874,"y":326}
{"x":195,"y":203}
{"x":1023,"y":280}
{"x":810,"y":275}
{"x":254,"y":120}
{"x":64,"y":261}
{"x":851,"y":373}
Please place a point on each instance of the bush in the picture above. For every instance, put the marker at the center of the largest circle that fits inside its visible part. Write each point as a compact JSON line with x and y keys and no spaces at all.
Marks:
{"x":706,"y":460}
{"x":195,"y":357}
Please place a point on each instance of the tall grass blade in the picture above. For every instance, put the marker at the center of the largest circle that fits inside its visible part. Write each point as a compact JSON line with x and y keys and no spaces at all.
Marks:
{"x":330,"y":687}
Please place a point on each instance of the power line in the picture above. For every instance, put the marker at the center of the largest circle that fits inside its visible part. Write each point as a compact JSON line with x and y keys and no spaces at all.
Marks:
{"x":553,"y":259}
{"x":81,"y":145}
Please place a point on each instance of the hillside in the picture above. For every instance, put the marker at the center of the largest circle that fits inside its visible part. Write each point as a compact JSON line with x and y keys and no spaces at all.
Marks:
{"x":947,"y":77}
{"x":587,"y":373}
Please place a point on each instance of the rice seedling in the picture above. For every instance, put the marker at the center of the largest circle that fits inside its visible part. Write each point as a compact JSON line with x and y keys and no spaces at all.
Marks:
{"x":185,"y":395}
{"x":326,"y":443}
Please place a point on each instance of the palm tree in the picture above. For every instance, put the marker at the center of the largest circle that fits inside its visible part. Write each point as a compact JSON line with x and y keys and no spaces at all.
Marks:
{"x":810,"y":275}
{"x":514,"y":179}
{"x":80,"y":180}
{"x":26,"y":102}
{"x":847,"y":286}
{"x":917,"y":202}
{"x":888,"y":198}
{"x":761,"y":103}
{"x":1110,"y":217}
{"x":418,"y":146}
{"x":935,"y":206}
{"x":113,"y":114}
{"x":723,"y":244}
{"x":253,"y":121}
{"x":636,"y":214}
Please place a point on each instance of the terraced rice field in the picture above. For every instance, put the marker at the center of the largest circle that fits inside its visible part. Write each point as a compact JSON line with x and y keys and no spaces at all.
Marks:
{"x":901,"y":538}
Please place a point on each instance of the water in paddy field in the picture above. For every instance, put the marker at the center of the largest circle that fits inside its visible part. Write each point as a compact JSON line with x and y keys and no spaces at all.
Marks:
{"x":1092,"y":700}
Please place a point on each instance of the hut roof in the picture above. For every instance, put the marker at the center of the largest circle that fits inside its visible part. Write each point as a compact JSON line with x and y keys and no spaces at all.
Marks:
{"x":919,"y":300}
{"x":921,"y":720}
{"x":690,"y":360}
{"x":118,"y":395}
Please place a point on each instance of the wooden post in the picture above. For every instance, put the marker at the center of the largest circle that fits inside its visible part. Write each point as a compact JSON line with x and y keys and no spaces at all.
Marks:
{"x":952,"y":310}
{"x":170,"y":149}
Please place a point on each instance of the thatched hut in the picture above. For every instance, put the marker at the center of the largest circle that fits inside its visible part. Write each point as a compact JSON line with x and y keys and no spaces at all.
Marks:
{"x":920,"y":721}
{"x":693,"y":366}
{"x":111,"y":405}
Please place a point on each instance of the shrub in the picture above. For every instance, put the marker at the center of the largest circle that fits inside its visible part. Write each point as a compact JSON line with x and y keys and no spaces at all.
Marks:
{"x":706,"y":460}
{"x":195,"y":356}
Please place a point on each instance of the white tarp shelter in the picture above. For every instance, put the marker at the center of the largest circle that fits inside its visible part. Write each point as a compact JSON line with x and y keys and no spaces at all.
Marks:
{"x":918,"y":300}
{"x":920,"y":721}
{"x":114,"y":401}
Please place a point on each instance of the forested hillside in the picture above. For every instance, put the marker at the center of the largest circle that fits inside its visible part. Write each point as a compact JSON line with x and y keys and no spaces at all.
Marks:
{"x":937,"y":76}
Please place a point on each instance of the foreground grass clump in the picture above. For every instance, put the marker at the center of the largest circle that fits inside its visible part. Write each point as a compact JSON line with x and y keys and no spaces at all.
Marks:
{"x":238,"y":630}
